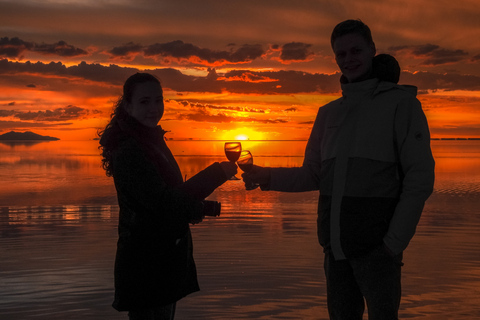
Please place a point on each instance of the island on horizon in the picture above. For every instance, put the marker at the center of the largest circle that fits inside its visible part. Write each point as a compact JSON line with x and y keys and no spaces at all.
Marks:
{"x":28,"y":135}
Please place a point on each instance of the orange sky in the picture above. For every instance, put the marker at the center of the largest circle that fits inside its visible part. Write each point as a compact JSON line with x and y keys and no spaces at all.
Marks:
{"x":260,"y":69}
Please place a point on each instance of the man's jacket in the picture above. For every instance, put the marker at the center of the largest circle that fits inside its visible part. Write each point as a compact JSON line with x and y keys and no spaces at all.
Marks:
{"x":369,"y":155}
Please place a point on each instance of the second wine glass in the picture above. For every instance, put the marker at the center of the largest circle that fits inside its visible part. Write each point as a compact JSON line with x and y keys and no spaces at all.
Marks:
{"x":245,"y":162}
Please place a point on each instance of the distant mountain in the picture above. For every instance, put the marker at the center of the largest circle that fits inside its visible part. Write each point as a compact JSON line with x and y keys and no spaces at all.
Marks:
{"x":12,"y":135}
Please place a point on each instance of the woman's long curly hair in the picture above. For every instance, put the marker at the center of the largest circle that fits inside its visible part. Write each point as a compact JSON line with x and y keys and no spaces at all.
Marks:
{"x":107,"y":136}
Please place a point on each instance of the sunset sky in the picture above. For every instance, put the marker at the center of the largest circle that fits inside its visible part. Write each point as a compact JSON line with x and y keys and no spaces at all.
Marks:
{"x":260,"y":68}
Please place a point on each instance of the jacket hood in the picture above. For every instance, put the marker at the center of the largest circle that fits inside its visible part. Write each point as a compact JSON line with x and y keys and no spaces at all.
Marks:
{"x":386,"y":86}
{"x":375,"y":86}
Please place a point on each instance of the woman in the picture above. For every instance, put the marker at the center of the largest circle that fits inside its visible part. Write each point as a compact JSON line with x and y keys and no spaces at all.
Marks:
{"x":154,"y":264}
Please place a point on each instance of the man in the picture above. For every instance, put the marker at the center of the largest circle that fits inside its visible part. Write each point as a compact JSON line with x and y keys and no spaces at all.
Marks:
{"x":369,"y":155}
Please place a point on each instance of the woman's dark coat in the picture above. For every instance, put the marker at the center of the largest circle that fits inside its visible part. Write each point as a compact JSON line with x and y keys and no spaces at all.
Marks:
{"x":154,"y":262}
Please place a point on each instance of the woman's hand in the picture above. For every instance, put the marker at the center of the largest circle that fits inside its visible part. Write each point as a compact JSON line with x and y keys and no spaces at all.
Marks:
{"x":230,"y":168}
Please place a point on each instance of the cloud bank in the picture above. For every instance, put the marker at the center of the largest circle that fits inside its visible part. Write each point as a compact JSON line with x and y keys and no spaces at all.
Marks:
{"x":59,"y":114}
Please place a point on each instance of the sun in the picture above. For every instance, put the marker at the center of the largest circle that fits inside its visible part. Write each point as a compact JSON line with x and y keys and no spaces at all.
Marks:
{"x":242,"y":134}
{"x":241,"y":137}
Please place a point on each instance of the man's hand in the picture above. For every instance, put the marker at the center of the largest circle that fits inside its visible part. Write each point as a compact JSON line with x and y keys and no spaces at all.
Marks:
{"x":257,"y":176}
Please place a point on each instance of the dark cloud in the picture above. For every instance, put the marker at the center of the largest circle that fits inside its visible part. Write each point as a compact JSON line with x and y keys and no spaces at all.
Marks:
{"x":11,"y":125}
{"x":60,"y":48}
{"x":307,"y":122}
{"x":111,"y":74}
{"x":420,"y":50}
{"x":182,"y":51}
{"x":296,"y":51}
{"x":206,"y":112}
{"x":246,"y":53}
{"x":205,"y":116}
{"x":476,"y":58}
{"x":187,"y":51}
{"x":127,"y":51}
{"x":6,"y":113}
{"x":431,"y":54}
{"x":203,"y":105}
{"x":247,"y":76}
{"x":437,"y":81}
{"x":59,"y":114}
{"x":457,"y":131}
{"x":236,"y":81}
{"x":267,"y":121}
{"x":284,"y":82}
{"x":15,"y":47}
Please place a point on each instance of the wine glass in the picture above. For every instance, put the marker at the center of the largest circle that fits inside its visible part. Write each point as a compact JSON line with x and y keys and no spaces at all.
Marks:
{"x":232,"y":151}
{"x":245,"y":162}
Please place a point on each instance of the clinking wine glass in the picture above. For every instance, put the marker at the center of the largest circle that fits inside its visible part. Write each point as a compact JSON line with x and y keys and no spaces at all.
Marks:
{"x":245,"y":162}
{"x":232,"y":151}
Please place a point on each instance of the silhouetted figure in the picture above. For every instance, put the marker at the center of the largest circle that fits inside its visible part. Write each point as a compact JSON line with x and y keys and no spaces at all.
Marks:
{"x":369,"y":155}
{"x":154,"y":265}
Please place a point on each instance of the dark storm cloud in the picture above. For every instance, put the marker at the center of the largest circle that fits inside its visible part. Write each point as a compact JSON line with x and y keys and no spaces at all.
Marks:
{"x":296,"y":51}
{"x":202,"y":105}
{"x":205,"y":116}
{"x":206,"y":112}
{"x":280,"y":82}
{"x":264,"y":121}
{"x":60,"y":48}
{"x":307,"y":122}
{"x":284,"y":82}
{"x":436,"y":81}
{"x":6,"y":113}
{"x":21,"y":124}
{"x":111,"y":74}
{"x":15,"y":47}
{"x":59,"y":114}
{"x":433,"y":55}
{"x":181,"y":50}
{"x":290,"y":52}
{"x":126,"y":51}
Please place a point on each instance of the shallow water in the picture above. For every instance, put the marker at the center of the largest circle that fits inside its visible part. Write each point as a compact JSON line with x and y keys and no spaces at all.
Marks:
{"x":260,"y":259}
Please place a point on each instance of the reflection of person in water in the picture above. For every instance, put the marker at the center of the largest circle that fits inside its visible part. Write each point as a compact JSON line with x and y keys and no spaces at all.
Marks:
{"x":369,"y":155}
{"x":154,"y":264}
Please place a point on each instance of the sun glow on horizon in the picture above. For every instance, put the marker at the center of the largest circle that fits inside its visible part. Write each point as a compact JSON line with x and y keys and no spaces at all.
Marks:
{"x":242,"y":134}
{"x":241,"y":137}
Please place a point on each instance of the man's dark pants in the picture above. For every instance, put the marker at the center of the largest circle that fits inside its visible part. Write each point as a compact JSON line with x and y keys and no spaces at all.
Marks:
{"x":375,"y":277}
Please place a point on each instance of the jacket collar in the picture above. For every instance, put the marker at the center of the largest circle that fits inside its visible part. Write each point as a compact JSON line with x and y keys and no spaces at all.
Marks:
{"x":361,"y":88}
{"x":373,"y":87}
{"x":385,"y":86}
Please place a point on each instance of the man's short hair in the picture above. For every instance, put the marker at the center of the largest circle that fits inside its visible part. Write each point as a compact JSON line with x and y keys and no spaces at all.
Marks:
{"x":352,"y":26}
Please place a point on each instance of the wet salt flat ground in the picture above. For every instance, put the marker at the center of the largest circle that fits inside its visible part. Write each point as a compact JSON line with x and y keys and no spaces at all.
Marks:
{"x":259,"y":260}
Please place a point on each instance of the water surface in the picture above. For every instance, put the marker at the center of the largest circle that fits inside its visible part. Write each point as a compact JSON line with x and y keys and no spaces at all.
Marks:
{"x":259,"y":260}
